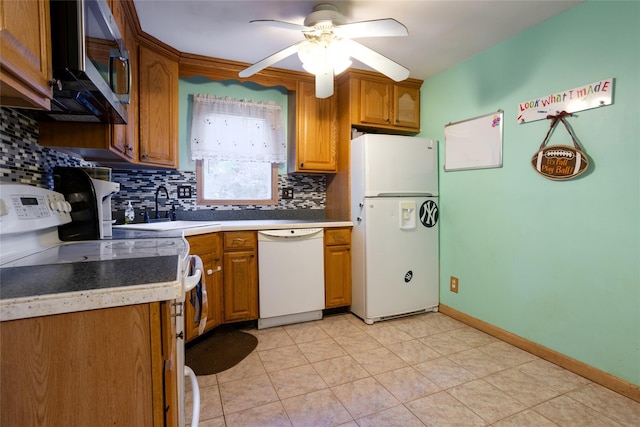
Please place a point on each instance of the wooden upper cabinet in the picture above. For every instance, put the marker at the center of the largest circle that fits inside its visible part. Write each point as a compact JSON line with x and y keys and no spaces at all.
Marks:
{"x":406,"y":106}
{"x":25,"y":59}
{"x":380,"y":104}
{"x":158,"y":103}
{"x":314,"y":148}
{"x":375,"y":103}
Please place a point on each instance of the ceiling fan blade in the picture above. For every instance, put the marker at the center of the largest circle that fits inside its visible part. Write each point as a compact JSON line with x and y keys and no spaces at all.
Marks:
{"x":281,"y":24}
{"x":378,"y":62}
{"x":376,"y":28}
{"x":324,"y":84}
{"x":270,"y":60}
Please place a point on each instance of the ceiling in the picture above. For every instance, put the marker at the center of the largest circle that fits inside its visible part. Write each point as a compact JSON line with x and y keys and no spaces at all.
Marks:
{"x":441,"y":33}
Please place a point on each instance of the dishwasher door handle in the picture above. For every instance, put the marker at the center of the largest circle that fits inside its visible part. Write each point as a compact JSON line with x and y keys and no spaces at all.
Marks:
{"x":289,"y":233}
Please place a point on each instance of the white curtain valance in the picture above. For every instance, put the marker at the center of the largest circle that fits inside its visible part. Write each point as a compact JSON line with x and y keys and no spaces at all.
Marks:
{"x":237,"y":130}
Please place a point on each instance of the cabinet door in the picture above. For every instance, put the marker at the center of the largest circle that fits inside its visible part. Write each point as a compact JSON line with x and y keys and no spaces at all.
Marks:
{"x":25,"y":63}
{"x":337,"y":267}
{"x":406,"y":109}
{"x":315,"y":130}
{"x":212,"y":276}
{"x":87,"y":368}
{"x":125,"y":137}
{"x":158,"y":113}
{"x":240,"y":289}
{"x":375,"y":102}
{"x":337,"y":273}
{"x":209,"y":248}
{"x":165,"y":391}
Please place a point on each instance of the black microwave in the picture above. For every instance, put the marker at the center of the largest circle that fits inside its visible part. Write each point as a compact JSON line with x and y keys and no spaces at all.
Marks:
{"x":92,"y":76}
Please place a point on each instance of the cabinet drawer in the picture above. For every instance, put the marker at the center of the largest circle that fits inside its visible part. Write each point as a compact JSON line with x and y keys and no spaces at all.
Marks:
{"x":204,"y":243}
{"x":239,"y":240}
{"x":337,"y":236}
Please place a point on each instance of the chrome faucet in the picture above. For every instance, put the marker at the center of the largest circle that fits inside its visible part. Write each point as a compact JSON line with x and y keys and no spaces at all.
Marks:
{"x":166,"y":193}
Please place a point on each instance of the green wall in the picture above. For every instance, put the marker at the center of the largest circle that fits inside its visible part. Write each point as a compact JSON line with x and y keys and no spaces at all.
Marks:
{"x":555,"y":262}
{"x":247,"y":90}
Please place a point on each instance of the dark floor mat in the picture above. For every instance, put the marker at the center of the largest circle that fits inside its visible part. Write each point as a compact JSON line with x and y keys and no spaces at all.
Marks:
{"x":220,"y":349}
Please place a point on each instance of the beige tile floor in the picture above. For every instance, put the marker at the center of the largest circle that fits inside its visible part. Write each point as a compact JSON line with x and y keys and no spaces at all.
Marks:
{"x":424,"y":370}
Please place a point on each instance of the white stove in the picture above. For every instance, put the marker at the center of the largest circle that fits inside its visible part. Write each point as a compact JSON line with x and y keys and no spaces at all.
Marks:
{"x":29,"y":217}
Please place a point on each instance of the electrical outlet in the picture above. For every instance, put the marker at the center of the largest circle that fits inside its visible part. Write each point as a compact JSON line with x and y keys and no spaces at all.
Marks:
{"x":287,"y":193}
{"x":453,"y":284}
{"x":184,"y":192}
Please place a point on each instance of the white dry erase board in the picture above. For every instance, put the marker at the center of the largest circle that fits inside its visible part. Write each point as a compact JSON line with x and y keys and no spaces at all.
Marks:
{"x":474,"y":143}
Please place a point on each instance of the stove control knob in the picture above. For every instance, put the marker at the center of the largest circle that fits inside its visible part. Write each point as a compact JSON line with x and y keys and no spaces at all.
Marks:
{"x":67,"y":207}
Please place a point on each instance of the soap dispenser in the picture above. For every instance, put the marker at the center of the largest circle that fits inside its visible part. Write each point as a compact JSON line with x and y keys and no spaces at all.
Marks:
{"x":129,"y":214}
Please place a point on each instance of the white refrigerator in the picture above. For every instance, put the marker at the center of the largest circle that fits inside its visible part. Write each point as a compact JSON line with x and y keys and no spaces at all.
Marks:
{"x":394,"y":209}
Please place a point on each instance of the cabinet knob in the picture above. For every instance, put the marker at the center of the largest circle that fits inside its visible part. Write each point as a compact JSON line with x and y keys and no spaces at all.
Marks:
{"x":128,"y":147}
{"x":301,"y":165}
{"x":209,"y":272}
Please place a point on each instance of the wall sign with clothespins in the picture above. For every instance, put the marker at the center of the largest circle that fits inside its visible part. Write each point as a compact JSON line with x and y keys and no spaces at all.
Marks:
{"x":592,"y":95}
{"x":560,"y":162}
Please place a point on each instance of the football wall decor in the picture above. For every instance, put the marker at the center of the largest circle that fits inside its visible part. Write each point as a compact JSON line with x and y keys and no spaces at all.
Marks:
{"x":560,"y":162}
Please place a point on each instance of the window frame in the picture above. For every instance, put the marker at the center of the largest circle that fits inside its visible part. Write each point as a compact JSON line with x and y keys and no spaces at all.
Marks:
{"x":200,"y":200}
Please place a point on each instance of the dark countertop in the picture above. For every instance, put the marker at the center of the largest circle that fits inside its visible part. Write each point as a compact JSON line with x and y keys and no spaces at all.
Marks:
{"x":42,"y":290}
{"x":38,"y":280}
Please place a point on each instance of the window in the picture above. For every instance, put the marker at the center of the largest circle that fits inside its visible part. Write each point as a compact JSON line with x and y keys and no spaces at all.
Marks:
{"x":236,"y":182}
{"x":237,"y":145}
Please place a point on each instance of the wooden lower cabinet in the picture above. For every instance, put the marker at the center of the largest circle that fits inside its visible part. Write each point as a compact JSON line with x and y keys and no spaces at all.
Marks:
{"x":240,"y":281}
{"x":100,"y":367}
{"x":209,"y":248}
{"x":337,"y":267}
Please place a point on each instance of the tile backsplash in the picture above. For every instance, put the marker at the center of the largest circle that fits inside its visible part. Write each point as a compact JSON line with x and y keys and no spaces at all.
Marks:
{"x":23,"y":160}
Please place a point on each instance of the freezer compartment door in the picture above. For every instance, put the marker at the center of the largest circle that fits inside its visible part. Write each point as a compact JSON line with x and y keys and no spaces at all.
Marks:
{"x":401,"y":255}
{"x":393,"y":165}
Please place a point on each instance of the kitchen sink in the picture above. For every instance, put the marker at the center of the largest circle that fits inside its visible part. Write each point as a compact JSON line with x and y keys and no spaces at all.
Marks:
{"x":166,"y":225}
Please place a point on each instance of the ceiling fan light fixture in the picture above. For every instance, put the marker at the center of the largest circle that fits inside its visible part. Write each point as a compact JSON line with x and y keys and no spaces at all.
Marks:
{"x":339,"y":56}
{"x":321,"y":56}
{"x":310,"y":53}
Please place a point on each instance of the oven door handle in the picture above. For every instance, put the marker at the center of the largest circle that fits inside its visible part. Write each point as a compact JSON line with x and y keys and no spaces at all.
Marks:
{"x":195,"y":417}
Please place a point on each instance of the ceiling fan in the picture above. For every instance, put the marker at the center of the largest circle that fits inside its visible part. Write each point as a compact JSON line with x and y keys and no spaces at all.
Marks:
{"x":327,"y":47}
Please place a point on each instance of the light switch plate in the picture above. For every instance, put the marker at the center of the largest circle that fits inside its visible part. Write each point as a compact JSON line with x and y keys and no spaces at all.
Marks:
{"x":184,"y":192}
{"x":287,"y":193}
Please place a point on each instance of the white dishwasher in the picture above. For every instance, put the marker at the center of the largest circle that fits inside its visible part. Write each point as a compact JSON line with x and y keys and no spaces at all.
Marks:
{"x":290,"y":276}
